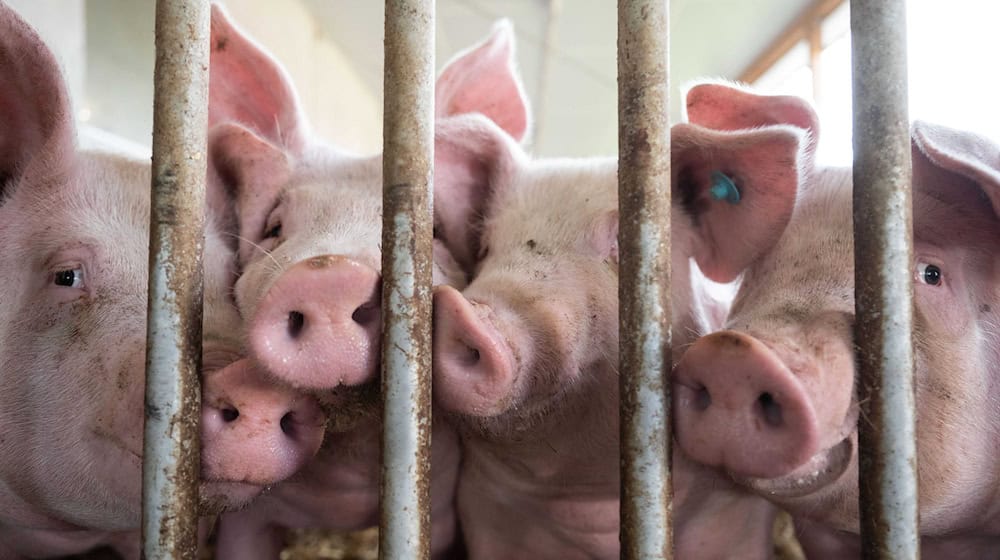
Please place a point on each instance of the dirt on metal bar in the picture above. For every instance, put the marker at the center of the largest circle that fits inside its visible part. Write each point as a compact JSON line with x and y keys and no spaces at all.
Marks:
{"x":644,"y":290}
{"x":883,"y":250}
{"x":173,"y":359}
{"x":407,"y":230}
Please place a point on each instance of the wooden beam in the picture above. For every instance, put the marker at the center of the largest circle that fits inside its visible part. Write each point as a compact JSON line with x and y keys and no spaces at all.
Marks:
{"x":798,"y":30}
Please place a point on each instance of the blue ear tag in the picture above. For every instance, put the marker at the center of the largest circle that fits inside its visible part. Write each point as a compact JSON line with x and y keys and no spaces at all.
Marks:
{"x":723,"y":188}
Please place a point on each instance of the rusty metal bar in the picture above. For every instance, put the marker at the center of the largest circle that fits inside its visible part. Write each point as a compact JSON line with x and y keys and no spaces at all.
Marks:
{"x":173,"y":356}
{"x":883,"y":252}
{"x":644,"y":291}
{"x":407,"y":168}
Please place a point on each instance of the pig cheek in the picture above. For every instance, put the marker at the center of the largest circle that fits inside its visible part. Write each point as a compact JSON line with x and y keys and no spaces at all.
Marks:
{"x":113,"y":381}
{"x":951,"y":402}
{"x":832,"y":344}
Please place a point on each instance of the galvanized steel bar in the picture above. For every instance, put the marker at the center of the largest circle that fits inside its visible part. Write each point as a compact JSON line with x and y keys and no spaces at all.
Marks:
{"x":884,"y":281}
{"x":173,"y":357}
{"x":407,"y":229}
{"x":644,"y":290}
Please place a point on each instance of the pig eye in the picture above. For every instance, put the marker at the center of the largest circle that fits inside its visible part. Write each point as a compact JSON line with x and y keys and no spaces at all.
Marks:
{"x":929,"y":274}
{"x":273,"y":231}
{"x":272,"y":228}
{"x":70,"y":278}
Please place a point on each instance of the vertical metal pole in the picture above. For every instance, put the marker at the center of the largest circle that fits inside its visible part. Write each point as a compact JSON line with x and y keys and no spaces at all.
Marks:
{"x":407,"y":168}
{"x":173,"y":357}
{"x":644,"y":291}
{"x":884,"y":281}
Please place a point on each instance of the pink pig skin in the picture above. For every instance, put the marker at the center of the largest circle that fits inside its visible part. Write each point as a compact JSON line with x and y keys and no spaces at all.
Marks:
{"x":309,"y":222}
{"x":525,"y":356}
{"x":789,"y":337}
{"x":75,"y":226}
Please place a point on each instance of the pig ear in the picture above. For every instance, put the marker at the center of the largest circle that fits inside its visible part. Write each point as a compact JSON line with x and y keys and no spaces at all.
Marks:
{"x":473,"y":160}
{"x":738,"y":191}
{"x":722,"y":106}
{"x":249,"y":173}
{"x":248,"y":86}
{"x":970,"y":156}
{"x":36,"y":124}
{"x":483,"y":80}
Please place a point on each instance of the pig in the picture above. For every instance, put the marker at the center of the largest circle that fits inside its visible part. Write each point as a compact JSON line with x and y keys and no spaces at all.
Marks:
{"x":309,"y":222}
{"x":525,"y":358}
{"x":772,"y":402}
{"x":75,"y":225}
{"x":255,"y":432}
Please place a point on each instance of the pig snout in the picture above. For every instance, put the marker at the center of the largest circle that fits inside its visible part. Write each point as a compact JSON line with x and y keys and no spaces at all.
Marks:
{"x":318,"y":326}
{"x":473,"y":363}
{"x":255,"y":431}
{"x":737,"y":406}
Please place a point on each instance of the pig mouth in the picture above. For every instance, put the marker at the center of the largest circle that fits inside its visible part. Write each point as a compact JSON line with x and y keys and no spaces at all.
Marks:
{"x":218,"y":496}
{"x":821,"y":470}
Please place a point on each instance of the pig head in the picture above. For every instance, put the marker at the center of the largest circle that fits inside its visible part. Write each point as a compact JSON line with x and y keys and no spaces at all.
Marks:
{"x":74,"y":225}
{"x":525,"y":356}
{"x":308,"y":218}
{"x":771,"y":400}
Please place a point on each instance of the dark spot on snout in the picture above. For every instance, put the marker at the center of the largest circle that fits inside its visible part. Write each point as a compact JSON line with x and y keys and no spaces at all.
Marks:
{"x":321,"y":261}
{"x":532,"y":244}
{"x":728,"y":339}
{"x":984,"y":308}
{"x":221,"y":44}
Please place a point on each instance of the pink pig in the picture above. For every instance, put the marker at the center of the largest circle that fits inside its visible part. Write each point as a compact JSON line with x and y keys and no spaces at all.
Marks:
{"x":525,"y":357}
{"x":75,"y":225}
{"x":771,"y":400}
{"x":309,"y":219}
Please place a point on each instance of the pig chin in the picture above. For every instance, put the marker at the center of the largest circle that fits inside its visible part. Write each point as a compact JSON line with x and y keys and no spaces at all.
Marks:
{"x":821,"y":471}
{"x":219,"y":497}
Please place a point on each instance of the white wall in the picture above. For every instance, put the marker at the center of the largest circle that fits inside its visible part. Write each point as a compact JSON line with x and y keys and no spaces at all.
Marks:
{"x":120,"y":56}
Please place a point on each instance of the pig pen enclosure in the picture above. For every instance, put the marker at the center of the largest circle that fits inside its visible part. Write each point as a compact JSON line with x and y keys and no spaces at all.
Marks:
{"x":883,"y":276}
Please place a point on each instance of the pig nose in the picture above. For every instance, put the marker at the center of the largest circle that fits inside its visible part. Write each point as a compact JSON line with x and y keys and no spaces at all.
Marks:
{"x":473,"y":364}
{"x":737,"y":406}
{"x":254,"y":430}
{"x":318,"y":326}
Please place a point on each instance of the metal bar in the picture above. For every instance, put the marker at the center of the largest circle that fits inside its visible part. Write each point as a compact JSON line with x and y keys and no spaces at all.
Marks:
{"x":173,"y":357}
{"x":644,"y":291}
{"x":407,"y":168}
{"x":883,"y":281}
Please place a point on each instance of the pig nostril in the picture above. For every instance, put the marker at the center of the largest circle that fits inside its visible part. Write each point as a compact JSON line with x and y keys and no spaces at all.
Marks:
{"x":230,"y":415}
{"x":771,"y":410}
{"x":702,"y":399}
{"x":296,"y":322}
{"x":366,"y":313}
{"x":287,"y":424}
